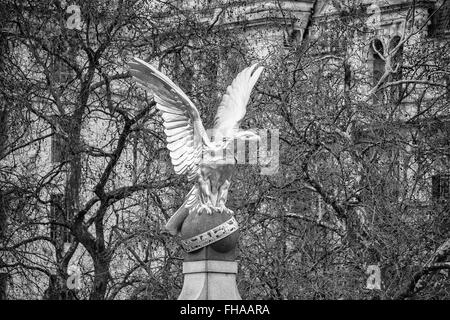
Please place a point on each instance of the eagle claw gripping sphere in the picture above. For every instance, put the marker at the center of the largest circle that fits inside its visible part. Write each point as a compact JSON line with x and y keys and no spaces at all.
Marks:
{"x":203,"y":219}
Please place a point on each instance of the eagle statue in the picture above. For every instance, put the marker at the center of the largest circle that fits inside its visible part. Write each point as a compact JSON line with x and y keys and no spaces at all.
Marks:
{"x":192,"y":152}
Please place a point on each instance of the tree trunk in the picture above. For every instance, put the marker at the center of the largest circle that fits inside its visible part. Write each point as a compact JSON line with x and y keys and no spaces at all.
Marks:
{"x":101,"y":279}
{"x":57,"y":289}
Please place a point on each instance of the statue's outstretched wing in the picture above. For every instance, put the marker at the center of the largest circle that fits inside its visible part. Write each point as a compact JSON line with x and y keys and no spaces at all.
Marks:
{"x":233,"y":106}
{"x":183,"y":125}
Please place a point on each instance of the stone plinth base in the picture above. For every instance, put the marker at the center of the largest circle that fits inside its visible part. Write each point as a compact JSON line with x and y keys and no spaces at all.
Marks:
{"x":209,"y":280}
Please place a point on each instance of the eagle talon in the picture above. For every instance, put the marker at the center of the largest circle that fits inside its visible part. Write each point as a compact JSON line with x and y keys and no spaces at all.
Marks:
{"x":223,"y":209}
{"x":204,"y":208}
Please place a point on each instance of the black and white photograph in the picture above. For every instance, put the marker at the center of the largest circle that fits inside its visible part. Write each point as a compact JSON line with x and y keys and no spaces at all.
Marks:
{"x":241,"y":151}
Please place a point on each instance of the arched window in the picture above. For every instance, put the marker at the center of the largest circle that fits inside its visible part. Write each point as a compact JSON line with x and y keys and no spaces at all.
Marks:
{"x":440,"y":187}
{"x":396,"y":64}
{"x":440,"y":21}
{"x":379,"y":54}
{"x":378,"y":66}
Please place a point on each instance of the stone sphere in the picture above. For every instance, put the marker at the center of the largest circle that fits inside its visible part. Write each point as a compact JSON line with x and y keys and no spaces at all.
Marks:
{"x":197,"y":223}
{"x":226,"y":244}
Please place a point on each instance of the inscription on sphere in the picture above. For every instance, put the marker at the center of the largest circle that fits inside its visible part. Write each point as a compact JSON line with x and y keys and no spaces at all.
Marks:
{"x":218,"y":229}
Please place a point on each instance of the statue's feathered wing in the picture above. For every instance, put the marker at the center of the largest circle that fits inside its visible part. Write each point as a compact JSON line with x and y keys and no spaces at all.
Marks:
{"x":183,"y":127}
{"x":234,"y":102}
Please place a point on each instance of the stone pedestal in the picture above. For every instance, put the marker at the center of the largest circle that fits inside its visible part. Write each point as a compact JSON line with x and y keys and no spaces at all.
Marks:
{"x":209,"y":280}
{"x":210,"y":272}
